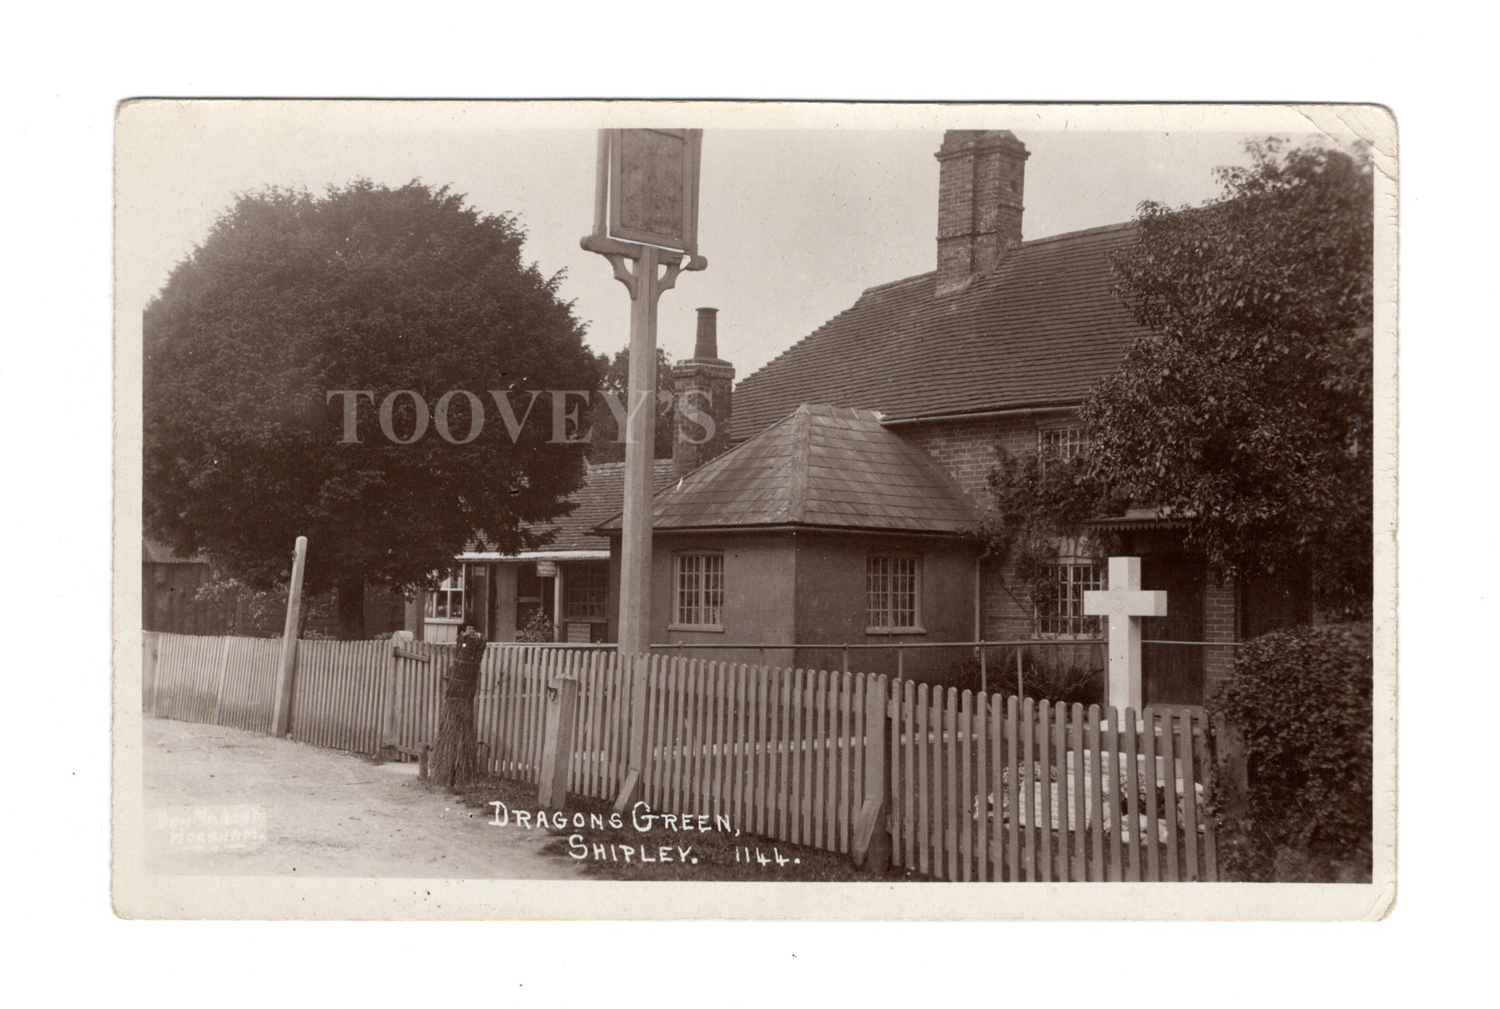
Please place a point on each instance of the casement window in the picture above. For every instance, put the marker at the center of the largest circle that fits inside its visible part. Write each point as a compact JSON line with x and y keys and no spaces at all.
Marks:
{"x":892,"y":592}
{"x":1062,"y":441}
{"x":446,"y":602}
{"x":699,"y":597}
{"x":1059,"y":597}
{"x":585,"y":591}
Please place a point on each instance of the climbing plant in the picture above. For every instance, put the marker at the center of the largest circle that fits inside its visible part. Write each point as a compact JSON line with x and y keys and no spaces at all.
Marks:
{"x":1039,"y":500}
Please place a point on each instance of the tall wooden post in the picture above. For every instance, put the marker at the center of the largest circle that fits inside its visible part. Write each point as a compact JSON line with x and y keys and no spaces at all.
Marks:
{"x":286,"y":673}
{"x":646,"y":225}
{"x":640,"y":458}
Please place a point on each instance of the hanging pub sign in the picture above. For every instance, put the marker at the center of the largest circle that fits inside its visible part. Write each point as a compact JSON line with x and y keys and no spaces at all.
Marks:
{"x":653,"y":187}
{"x":646,"y":225}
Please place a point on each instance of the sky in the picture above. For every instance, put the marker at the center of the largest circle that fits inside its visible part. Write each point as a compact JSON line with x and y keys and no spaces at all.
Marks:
{"x":795,"y":223}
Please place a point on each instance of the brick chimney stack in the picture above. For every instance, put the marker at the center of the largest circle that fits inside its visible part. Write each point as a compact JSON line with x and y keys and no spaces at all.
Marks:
{"x":704,"y":387}
{"x":981,"y":179}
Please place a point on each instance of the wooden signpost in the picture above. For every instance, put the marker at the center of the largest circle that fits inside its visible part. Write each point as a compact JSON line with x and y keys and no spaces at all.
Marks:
{"x":646,"y":225}
{"x":286,"y":673}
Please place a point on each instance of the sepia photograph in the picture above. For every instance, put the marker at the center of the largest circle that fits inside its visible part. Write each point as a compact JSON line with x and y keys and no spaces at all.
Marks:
{"x":975,"y":511}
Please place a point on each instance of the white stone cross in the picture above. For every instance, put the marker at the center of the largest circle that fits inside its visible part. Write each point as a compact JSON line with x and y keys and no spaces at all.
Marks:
{"x":1125,"y":603}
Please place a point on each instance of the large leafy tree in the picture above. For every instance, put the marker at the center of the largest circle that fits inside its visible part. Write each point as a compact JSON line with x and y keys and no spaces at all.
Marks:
{"x":1248,"y":409}
{"x":294,"y":297}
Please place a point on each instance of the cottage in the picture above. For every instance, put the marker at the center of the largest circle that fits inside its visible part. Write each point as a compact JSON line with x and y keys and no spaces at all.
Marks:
{"x":561,"y":588}
{"x":825,"y":529}
{"x":863,"y":451}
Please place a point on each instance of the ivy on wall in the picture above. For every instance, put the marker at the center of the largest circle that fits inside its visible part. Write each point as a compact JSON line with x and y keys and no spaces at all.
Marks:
{"x":1039,"y":501}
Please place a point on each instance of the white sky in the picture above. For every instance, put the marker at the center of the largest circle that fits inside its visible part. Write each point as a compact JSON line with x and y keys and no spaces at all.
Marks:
{"x":795,"y":222}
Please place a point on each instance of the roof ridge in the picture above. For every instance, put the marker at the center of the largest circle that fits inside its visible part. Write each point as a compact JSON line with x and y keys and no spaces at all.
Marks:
{"x":1078,"y":233}
{"x":801,"y":457}
{"x":896,"y":283}
{"x":1098,"y":229}
{"x":1039,"y":327}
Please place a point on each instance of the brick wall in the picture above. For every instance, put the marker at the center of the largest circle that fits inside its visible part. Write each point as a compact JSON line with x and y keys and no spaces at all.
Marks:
{"x":705,"y":387}
{"x":1219,"y":624}
{"x":966,"y":449}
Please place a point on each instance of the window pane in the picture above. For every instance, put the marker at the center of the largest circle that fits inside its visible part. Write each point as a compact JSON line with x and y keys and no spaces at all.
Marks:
{"x":585,"y":591}
{"x":890,"y":591}
{"x":713,"y":589}
{"x":700,"y":589}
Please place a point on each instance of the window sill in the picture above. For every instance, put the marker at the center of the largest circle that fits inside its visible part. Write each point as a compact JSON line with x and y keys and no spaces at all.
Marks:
{"x":585,"y":620}
{"x":443,"y":620}
{"x":882,"y":632}
{"x":703,"y":628}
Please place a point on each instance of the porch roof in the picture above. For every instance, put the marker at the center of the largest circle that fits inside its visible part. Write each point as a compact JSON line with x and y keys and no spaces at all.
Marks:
{"x":601,"y":554}
{"x":1138,"y":517}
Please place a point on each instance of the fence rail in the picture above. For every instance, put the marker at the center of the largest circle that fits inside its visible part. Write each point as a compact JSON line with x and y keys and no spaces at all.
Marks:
{"x":977,"y":786}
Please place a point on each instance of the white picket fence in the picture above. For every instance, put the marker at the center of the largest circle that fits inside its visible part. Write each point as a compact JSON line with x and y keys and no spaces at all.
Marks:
{"x":976,"y":786}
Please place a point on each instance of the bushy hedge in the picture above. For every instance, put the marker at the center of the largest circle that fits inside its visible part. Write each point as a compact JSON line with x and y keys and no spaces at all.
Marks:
{"x":1302,"y":699}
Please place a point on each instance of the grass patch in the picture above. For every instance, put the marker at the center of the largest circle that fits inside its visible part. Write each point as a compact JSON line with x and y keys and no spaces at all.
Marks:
{"x":610,"y":852}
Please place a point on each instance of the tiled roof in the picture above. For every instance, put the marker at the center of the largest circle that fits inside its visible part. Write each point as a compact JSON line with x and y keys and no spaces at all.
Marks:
{"x":1037,"y":331}
{"x":822,"y":466}
{"x":601,"y":495}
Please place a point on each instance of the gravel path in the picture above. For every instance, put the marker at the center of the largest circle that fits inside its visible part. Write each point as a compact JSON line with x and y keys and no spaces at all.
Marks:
{"x":222,"y":801}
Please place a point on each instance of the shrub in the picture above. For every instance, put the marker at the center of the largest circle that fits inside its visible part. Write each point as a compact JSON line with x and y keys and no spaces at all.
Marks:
{"x":1065,"y":679}
{"x":1060,"y":683}
{"x":1302,"y":699}
{"x":537,"y":629}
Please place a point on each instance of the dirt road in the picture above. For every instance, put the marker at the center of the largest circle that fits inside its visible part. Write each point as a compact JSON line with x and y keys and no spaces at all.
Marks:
{"x":225,"y":802}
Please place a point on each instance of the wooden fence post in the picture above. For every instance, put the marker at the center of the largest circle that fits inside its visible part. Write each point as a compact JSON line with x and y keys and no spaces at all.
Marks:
{"x":286,"y":673}
{"x":390,"y":734}
{"x":557,"y":741}
{"x":870,"y":847}
{"x":151,"y":660}
{"x":223,"y":676}
{"x":630,"y":788}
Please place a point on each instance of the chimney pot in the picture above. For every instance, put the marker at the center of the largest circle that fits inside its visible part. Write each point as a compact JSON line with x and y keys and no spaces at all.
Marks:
{"x":706,"y":346}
